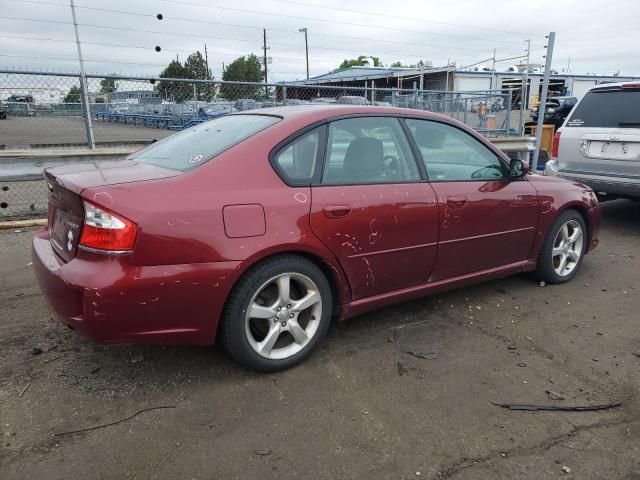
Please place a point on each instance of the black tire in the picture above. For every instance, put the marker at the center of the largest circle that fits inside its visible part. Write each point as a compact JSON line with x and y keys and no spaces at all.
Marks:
{"x":232,"y":330}
{"x":545,"y":268}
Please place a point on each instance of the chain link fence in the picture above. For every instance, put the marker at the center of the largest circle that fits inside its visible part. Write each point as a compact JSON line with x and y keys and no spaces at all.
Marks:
{"x":45,"y":112}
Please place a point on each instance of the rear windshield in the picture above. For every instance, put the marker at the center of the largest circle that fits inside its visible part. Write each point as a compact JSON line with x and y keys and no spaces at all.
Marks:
{"x":608,"y":109}
{"x":194,"y":146}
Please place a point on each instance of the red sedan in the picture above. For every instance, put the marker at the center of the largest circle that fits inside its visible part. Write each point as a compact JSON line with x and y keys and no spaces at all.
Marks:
{"x":259,"y":227}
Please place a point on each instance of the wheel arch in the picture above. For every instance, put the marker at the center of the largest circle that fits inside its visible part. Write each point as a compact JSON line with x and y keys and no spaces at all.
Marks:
{"x":329,"y":266}
{"x":584,"y":213}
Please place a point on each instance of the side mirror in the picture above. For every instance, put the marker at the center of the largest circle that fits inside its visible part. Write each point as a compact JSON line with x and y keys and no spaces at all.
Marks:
{"x":518,"y":169}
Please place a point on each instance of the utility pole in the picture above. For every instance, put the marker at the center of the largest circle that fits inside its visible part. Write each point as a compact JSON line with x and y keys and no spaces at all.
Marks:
{"x":543,"y":99}
{"x":493,"y":69}
{"x":524,"y":97}
{"x":447,"y":80}
{"x":206,"y":59}
{"x":306,"y":48}
{"x":264,"y":50}
{"x":83,"y":83}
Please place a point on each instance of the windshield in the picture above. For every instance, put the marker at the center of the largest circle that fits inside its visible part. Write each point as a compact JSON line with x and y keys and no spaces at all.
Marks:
{"x":194,"y":146}
{"x":608,"y":109}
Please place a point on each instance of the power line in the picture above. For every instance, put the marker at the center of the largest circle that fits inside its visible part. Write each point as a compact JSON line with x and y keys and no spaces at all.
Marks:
{"x":413,"y":19}
{"x":208,"y":22}
{"x":235,"y":54}
{"x":379,"y":27}
{"x":95,"y":60}
{"x":293,"y":2}
{"x":191,"y":35}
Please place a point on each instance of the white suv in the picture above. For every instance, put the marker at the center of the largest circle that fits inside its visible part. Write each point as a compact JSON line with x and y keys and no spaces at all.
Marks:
{"x":599,"y":142}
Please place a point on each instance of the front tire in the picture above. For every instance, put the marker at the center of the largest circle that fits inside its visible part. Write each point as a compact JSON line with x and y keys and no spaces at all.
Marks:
{"x":277,"y":313}
{"x":563,"y":249}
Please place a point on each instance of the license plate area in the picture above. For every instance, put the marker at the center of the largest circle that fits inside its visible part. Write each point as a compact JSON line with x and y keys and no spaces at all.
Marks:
{"x":614,"y":150}
{"x":65,"y":233}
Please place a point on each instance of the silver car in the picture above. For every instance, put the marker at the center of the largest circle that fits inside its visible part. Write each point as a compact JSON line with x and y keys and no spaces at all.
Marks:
{"x":599,"y":142}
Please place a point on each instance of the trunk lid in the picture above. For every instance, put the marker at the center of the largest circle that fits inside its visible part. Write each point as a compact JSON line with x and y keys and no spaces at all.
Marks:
{"x":78,"y":176}
{"x":66,"y":211}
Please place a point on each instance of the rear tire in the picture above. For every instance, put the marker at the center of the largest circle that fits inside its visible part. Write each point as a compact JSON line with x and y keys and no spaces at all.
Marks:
{"x":563,"y":249}
{"x":277,"y":313}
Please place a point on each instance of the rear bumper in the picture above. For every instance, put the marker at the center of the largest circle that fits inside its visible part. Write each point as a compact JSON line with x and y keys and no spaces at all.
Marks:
{"x":109,"y":300}
{"x":622,"y":186}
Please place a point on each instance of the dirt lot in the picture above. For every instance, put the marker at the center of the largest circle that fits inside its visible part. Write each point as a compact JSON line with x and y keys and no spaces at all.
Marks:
{"x":361,"y":407}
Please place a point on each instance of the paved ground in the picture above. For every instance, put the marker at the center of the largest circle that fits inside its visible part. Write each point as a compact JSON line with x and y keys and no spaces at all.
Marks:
{"x":360,"y":408}
{"x":22,"y":132}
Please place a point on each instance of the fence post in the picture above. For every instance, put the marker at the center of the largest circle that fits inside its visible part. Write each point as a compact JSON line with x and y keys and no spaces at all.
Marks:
{"x":508,"y":124}
{"x":466,"y":110}
{"x":86,"y":110}
{"x":284,"y":95}
{"x":543,"y":101}
{"x":195,"y":99}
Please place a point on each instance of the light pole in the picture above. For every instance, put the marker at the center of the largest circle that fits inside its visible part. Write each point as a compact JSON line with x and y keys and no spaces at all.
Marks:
{"x":306,"y":48}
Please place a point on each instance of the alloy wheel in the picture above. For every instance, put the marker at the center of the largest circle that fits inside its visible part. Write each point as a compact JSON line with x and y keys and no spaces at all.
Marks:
{"x":283,"y":316}
{"x":567,"y":248}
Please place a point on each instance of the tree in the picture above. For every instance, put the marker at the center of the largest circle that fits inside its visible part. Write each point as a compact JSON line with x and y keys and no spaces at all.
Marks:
{"x":359,"y":62}
{"x":107,"y":85}
{"x":242,"y":69}
{"x":421,"y":63}
{"x":73,"y":96}
{"x":175,"y":91}
{"x":196,"y":68}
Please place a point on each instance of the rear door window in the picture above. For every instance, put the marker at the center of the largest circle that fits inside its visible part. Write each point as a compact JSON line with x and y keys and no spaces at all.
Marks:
{"x":368,"y":150}
{"x":192,"y":147}
{"x":619,"y":108}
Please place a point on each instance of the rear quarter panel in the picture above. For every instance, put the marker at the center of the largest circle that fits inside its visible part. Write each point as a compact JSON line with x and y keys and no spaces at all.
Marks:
{"x":181,"y":219}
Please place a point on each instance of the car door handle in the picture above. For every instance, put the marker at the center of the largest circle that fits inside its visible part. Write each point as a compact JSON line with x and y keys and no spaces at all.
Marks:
{"x":456,"y":201}
{"x":336,"y":211}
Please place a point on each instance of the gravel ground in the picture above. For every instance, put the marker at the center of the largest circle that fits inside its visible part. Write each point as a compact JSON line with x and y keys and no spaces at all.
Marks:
{"x":361,"y":407}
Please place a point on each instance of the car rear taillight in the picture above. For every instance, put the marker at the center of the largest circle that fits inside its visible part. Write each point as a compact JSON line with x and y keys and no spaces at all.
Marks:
{"x":555,"y":145}
{"x":631,"y":85}
{"x":106,"y":230}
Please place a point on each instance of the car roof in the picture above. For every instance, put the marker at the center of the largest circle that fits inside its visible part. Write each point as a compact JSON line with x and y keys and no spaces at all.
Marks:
{"x":311,"y":112}
{"x":615,"y":84}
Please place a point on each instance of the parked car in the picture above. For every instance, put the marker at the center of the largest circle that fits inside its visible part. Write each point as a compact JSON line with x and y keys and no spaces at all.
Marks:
{"x":599,"y":143}
{"x":556,"y":110}
{"x":3,"y":112}
{"x":214,"y":110}
{"x":352,"y":100}
{"x":297,"y":101}
{"x":325,"y":100}
{"x":256,"y":229}
{"x":243,"y":104}
{"x":402,"y":101}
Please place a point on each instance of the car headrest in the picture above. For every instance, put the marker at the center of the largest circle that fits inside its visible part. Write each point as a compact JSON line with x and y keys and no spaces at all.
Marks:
{"x":364,"y":157}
